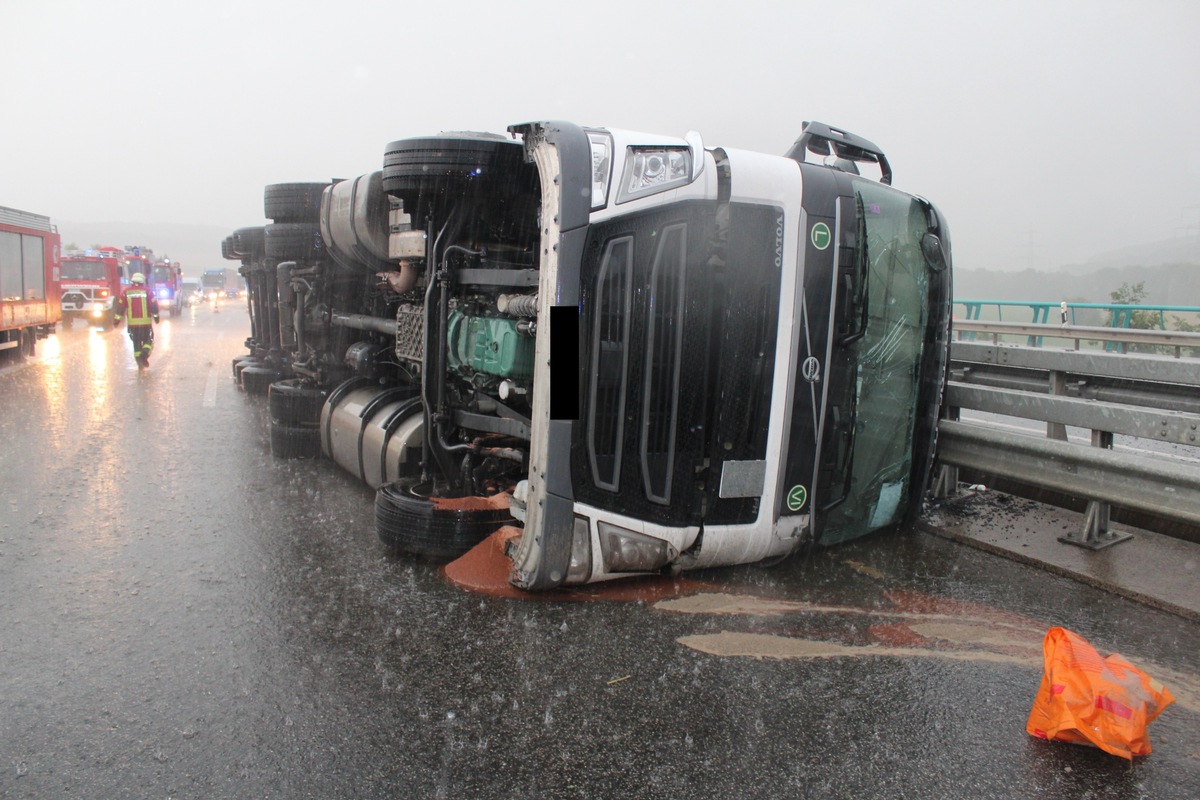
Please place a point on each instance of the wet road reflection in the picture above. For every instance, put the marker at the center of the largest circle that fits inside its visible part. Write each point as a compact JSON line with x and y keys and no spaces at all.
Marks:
{"x":183,"y":615}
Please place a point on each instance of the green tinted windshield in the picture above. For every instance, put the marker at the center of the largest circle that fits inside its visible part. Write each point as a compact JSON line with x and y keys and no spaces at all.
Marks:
{"x":888,"y":359}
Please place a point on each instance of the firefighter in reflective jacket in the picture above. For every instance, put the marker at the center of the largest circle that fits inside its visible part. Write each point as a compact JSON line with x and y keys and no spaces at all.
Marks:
{"x":141,"y":307}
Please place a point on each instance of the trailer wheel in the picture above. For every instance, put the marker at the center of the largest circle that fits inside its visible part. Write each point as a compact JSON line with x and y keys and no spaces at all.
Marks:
{"x":294,"y":402}
{"x":256,"y":380}
{"x":293,"y":202}
{"x":294,"y":241}
{"x":408,"y":520}
{"x":247,"y":242}
{"x":244,"y":360}
{"x":294,"y":441}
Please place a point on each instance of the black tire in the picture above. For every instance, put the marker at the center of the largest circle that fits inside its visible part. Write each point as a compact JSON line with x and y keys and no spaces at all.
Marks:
{"x":227,"y":249}
{"x":407,"y":520}
{"x":293,"y":402}
{"x":28,"y":343}
{"x":295,"y":441}
{"x":294,"y":241}
{"x":257,"y":380}
{"x":244,"y":361}
{"x":293,"y":202}
{"x":248,"y":242}
{"x":238,"y":369}
{"x":450,"y":159}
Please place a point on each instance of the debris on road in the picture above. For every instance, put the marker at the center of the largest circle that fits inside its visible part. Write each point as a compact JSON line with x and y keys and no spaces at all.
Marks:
{"x":1086,"y":699}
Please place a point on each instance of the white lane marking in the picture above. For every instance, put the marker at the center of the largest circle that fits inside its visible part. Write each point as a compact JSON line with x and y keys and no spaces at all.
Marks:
{"x":210,"y":388}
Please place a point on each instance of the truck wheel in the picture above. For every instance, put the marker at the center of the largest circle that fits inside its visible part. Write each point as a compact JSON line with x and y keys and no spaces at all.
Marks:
{"x":28,"y":343}
{"x":295,"y":441}
{"x":450,"y":159}
{"x":294,"y":241}
{"x":294,"y":402}
{"x":293,"y":202}
{"x":408,"y":520}
{"x":256,"y":380}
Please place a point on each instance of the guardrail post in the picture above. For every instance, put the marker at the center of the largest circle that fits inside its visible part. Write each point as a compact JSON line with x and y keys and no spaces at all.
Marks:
{"x":1058,"y":387}
{"x":946,"y":483}
{"x":1096,"y":533}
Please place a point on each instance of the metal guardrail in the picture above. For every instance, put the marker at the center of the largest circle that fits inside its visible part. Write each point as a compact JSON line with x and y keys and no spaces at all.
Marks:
{"x":1120,"y":315}
{"x":1175,"y":340}
{"x":1149,"y":397}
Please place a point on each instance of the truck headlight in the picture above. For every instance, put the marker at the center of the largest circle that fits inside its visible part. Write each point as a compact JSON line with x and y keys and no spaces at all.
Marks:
{"x":649,"y":170}
{"x":581,"y":553}
{"x":601,"y":167}
{"x":624,"y":550}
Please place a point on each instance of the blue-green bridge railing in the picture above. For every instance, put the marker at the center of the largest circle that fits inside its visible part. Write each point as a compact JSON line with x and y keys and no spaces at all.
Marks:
{"x":1120,"y":315}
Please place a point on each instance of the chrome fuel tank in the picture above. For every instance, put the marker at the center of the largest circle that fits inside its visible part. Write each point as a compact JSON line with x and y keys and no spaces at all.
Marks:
{"x":373,"y":433}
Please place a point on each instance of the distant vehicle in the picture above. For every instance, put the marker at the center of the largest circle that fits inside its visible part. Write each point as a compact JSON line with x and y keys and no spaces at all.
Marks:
{"x":191,"y":292}
{"x":167,"y":286}
{"x":220,"y":283}
{"x":30,"y":297}
{"x":91,"y":282}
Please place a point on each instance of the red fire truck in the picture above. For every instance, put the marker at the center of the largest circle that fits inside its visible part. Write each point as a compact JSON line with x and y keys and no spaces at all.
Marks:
{"x":29,"y":280}
{"x":91,"y":281}
{"x":139,"y":259}
{"x":167,"y":281}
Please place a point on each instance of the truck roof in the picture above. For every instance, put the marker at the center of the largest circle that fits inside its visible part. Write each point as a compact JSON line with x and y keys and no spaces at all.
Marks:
{"x":24,"y":219}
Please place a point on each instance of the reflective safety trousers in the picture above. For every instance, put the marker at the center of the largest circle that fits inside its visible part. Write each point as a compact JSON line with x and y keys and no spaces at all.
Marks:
{"x":137,"y":307}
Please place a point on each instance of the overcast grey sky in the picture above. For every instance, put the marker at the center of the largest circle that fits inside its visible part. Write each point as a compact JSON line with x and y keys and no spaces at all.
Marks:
{"x":1046,"y":131}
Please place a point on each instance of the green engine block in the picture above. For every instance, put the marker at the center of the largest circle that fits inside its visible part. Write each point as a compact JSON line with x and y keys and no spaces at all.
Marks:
{"x":490,"y":345}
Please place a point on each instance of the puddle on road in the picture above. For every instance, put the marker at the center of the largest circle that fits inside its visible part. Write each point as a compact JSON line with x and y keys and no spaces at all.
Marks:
{"x":906,"y":605}
{"x":767,"y":645}
{"x":980,"y":636}
{"x":864,"y":569}
{"x":920,"y":626}
{"x":909,"y":624}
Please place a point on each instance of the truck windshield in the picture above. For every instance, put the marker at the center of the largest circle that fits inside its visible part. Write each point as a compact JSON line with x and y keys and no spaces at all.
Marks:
{"x":162,"y":274}
{"x":82,"y":270}
{"x":888,"y":358}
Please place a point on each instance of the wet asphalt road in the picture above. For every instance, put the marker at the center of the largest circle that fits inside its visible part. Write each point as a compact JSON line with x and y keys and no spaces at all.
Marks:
{"x":181,"y":615}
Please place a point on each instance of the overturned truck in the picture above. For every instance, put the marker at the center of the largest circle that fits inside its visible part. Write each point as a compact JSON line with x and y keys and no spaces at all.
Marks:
{"x":642,"y":353}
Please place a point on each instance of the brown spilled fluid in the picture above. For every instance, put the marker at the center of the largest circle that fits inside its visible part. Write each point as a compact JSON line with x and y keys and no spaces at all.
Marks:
{"x":496,"y":501}
{"x":485,"y":569}
{"x":909,"y":624}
